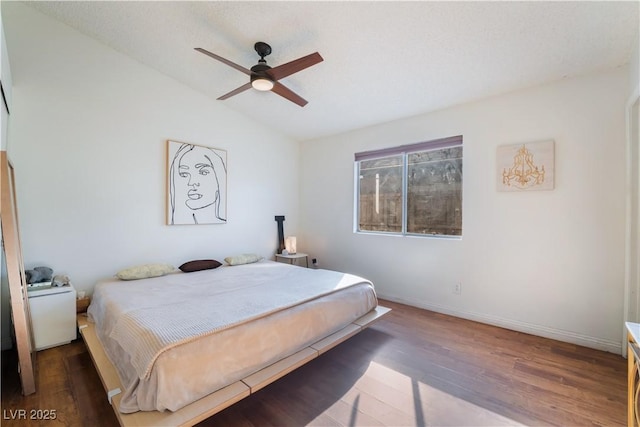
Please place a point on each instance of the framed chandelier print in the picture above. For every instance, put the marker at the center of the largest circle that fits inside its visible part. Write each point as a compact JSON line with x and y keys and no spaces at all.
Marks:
{"x":526,"y":167}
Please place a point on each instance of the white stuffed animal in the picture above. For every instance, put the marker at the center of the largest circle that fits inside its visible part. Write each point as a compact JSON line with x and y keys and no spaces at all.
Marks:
{"x":60,"y":280}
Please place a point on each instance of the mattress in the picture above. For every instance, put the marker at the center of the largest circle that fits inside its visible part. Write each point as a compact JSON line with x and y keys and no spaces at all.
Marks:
{"x":177,"y":338}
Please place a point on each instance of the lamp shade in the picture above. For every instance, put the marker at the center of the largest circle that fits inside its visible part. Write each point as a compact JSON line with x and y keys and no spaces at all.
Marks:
{"x":290,"y":244}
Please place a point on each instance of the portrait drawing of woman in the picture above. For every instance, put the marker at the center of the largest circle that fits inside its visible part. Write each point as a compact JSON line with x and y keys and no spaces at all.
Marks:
{"x":197,"y":184}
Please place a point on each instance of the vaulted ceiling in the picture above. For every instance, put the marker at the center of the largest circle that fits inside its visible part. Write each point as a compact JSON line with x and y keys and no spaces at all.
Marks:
{"x":382,"y":60}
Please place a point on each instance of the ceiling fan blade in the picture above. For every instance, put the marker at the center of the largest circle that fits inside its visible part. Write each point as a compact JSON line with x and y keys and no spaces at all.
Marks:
{"x":226,"y":61}
{"x":284,"y":70}
{"x":287,"y":93}
{"x":236,"y":91}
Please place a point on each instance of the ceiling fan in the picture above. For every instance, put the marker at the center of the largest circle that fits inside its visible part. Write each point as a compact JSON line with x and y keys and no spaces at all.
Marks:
{"x":265,"y":78}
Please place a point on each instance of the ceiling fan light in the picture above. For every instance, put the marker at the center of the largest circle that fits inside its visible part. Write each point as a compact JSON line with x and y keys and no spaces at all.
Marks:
{"x":262,"y":84}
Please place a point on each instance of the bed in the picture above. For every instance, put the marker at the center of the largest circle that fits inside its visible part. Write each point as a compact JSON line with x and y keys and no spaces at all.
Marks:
{"x":175,"y":349}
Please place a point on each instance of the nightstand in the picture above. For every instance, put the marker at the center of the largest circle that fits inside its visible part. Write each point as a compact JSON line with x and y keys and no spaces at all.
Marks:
{"x":294,"y":259}
{"x":53,"y":315}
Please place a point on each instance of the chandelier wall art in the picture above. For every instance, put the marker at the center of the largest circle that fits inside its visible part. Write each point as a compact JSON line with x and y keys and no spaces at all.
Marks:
{"x":526,"y":167}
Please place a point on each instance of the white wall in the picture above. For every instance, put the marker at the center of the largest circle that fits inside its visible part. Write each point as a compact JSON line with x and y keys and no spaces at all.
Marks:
{"x":632,"y":278}
{"x":548,"y":262}
{"x":88,"y":138}
{"x":634,"y":66}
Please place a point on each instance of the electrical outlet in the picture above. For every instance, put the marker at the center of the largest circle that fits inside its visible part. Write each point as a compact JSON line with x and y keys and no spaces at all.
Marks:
{"x":457,"y":288}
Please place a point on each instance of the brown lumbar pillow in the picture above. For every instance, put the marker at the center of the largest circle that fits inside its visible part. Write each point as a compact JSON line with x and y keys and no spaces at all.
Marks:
{"x":200,"y":264}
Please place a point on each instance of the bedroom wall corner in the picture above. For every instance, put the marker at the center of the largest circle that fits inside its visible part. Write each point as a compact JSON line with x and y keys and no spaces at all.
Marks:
{"x":544,"y":262}
{"x":89,"y":128}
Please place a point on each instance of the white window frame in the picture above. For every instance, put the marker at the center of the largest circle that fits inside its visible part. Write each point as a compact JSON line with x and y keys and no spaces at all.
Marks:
{"x":404,"y":150}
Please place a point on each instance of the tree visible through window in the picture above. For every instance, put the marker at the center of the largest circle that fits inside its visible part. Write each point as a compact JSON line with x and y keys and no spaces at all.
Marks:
{"x":412,"y":189}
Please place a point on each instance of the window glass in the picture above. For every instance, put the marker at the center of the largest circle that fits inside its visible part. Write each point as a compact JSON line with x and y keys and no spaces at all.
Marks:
{"x":380,"y":202}
{"x":434,"y":192}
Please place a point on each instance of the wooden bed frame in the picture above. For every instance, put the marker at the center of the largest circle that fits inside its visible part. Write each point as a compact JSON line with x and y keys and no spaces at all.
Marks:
{"x":223,"y":398}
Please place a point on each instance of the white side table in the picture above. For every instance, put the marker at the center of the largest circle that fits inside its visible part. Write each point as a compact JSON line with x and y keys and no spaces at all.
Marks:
{"x":294,"y":259}
{"x":53,"y":315}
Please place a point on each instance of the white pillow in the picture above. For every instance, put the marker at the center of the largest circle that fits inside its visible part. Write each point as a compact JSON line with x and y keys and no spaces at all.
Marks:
{"x":242,"y":259}
{"x":144,"y":271}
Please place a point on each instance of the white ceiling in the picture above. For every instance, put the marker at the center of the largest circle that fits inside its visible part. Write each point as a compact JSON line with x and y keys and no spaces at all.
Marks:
{"x":382,"y":60}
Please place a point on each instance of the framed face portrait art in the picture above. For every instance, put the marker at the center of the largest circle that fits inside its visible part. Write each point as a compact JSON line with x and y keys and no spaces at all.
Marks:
{"x":196,"y":184}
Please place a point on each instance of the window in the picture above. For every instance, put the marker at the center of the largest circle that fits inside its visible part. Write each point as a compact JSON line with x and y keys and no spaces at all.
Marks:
{"x":412,"y":189}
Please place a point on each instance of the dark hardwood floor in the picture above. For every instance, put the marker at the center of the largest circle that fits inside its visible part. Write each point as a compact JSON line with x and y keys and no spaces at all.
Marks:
{"x":413,"y":367}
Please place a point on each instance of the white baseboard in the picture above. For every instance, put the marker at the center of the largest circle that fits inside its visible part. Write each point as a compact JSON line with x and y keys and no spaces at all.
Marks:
{"x":516,"y":325}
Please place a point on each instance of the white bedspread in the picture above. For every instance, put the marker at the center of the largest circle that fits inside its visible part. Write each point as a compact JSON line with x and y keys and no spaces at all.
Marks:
{"x":151,"y":316}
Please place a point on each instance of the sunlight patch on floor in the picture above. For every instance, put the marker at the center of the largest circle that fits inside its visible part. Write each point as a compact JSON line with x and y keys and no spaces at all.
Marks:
{"x":370,"y":402}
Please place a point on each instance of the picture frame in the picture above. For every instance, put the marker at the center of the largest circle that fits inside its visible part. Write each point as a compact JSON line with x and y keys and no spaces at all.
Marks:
{"x":196,"y":184}
{"x":526,"y":167}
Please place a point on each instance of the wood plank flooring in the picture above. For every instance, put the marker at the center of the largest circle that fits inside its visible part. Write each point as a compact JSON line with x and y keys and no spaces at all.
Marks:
{"x":413,"y":367}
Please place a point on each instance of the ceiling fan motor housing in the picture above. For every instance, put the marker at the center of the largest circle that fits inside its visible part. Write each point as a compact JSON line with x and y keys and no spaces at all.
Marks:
{"x":261,"y":78}
{"x":260,"y":71}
